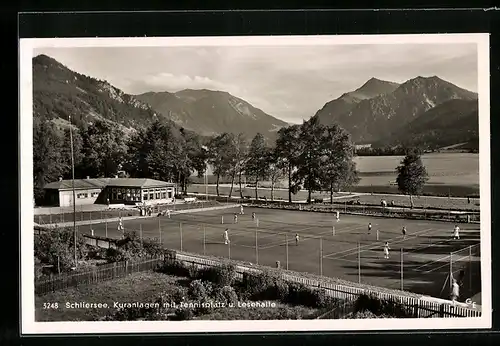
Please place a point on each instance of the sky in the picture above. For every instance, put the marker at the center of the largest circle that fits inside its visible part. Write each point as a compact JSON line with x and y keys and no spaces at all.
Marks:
{"x":288,"y":82}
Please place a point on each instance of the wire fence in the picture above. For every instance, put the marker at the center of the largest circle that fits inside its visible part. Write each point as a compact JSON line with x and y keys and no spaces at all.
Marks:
{"x":419,"y":262}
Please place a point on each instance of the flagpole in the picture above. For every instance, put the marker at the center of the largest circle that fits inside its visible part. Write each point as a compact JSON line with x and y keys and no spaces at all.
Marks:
{"x":73,"y":186}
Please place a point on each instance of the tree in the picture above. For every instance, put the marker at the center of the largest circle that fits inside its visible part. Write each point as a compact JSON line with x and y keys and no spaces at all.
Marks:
{"x":412,"y":174}
{"x":221,"y":155}
{"x":277,"y":169}
{"x":48,"y":162}
{"x":288,"y":149}
{"x":104,"y":149}
{"x":257,"y":165}
{"x":239,"y":148}
{"x":311,"y":154}
{"x":338,"y":167}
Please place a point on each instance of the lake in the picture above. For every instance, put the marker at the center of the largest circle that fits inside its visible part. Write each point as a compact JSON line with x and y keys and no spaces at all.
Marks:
{"x":443,"y":168}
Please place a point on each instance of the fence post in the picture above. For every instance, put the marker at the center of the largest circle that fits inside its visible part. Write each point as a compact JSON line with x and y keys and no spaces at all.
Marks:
{"x":286,"y":245}
{"x":321,"y":256}
{"x":204,"y":240}
{"x":470,"y":269}
{"x":256,"y":247}
{"x":345,"y":206}
{"x":180,"y":230}
{"x":106,"y":226}
{"x":359,"y":264}
{"x":229,"y":250}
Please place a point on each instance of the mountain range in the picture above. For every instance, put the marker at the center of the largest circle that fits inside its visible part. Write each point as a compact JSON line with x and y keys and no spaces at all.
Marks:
{"x":386,"y":107}
{"x":210,"y":112}
{"x":427,"y":111}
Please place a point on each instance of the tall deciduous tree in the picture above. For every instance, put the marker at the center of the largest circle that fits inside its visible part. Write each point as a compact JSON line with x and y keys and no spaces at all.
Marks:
{"x":338,"y":167}
{"x":277,"y":169}
{"x":412,"y":174}
{"x":48,"y":162}
{"x":221,"y":156}
{"x":288,"y":150}
{"x":257,"y":165}
{"x":311,"y":153}
{"x":241,"y":156}
{"x":104,"y":149}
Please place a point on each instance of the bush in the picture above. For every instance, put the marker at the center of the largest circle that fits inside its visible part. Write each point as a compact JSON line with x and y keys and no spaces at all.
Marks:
{"x":58,"y":245}
{"x":175,"y":267}
{"x":223,"y":275}
{"x":226,"y":295}
{"x":184,"y":314}
{"x":260,"y":286}
{"x":198,"y":291}
{"x":380,"y":307}
{"x":116,"y":255}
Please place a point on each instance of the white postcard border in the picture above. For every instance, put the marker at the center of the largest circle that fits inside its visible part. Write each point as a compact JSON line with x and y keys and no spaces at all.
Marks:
{"x":30,"y":326}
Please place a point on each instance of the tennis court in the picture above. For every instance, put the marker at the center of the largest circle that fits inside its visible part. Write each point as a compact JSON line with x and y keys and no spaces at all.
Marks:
{"x":343,"y":249}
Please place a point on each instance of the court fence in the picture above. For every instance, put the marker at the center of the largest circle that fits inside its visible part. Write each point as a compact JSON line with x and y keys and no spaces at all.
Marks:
{"x":372,"y":210}
{"x":421,"y":306}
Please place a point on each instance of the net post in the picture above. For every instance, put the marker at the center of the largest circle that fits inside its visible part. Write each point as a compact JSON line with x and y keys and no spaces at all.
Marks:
{"x":333,"y":228}
{"x":321,"y":256}
{"x":359,"y":264}
{"x":286,"y":245}
{"x":256,"y":247}
{"x":222,"y":219}
{"x":180,"y":231}
{"x":378,"y":236}
{"x":204,"y":240}
{"x":451,"y":270}
{"x":229,"y":249}
{"x":402,"y":267}
{"x":159,"y":228}
{"x":140,"y":232}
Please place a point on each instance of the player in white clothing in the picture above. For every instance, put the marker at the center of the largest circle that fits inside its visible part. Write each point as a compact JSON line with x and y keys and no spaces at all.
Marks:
{"x":235,"y":218}
{"x":296,"y":239}
{"x":338,"y":216}
{"x":168,"y":213}
{"x":226,"y":237}
{"x":369,"y":228}
{"x":386,"y":250}
{"x":241,"y":210}
{"x":404,"y":232}
{"x":456,"y":234}
{"x":253,"y":216}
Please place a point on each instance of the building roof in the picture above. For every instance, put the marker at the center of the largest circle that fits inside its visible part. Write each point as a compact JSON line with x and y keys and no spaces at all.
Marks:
{"x":100,"y":183}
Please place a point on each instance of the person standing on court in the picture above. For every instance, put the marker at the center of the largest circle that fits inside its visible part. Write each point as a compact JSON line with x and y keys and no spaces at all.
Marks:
{"x":404,"y":232}
{"x":296,"y":239}
{"x":253,"y":216}
{"x":456,"y":232}
{"x":455,"y":290}
{"x":338,"y":216}
{"x":369,"y":228}
{"x":235,"y":218}
{"x":241,"y":210}
{"x":386,"y":250}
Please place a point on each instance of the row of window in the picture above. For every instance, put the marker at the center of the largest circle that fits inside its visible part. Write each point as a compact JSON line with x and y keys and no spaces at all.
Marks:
{"x":86,"y":195}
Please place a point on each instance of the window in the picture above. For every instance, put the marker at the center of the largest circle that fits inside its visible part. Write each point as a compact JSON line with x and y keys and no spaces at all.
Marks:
{"x":145,"y":196}
{"x":151,"y":195}
{"x":157,"y":195}
{"x":95,"y":194}
{"x":163,"y":195}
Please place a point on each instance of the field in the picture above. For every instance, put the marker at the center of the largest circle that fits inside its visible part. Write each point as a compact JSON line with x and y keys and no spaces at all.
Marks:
{"x":426,"y":248}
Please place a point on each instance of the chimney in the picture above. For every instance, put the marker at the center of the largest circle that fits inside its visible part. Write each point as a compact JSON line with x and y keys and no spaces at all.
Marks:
{"x":60,"y":178}
{"x":88,"y":177}
{"x":116,"y":176}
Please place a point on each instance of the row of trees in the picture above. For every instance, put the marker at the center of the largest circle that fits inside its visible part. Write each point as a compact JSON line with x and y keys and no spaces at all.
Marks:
{"x":309,"y":156}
